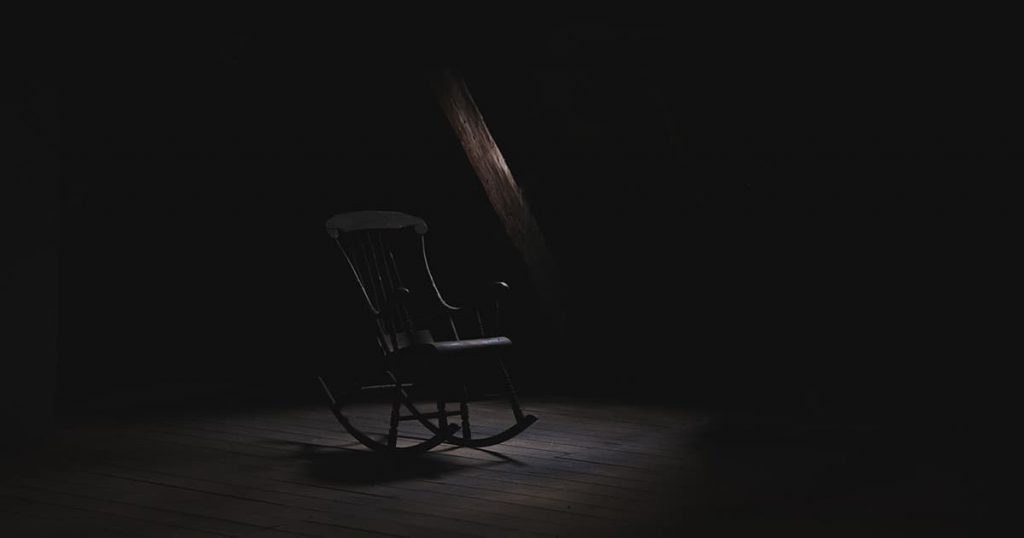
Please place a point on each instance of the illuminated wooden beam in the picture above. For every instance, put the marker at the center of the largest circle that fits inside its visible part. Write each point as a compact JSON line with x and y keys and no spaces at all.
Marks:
{"x":501,"y":188}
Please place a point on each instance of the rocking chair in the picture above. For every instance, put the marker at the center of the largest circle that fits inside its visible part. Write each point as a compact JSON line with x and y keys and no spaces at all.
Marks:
{"x":426,"y":350}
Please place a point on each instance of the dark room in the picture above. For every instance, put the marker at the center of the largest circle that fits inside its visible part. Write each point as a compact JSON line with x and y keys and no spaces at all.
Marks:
{"x":277,"y":274}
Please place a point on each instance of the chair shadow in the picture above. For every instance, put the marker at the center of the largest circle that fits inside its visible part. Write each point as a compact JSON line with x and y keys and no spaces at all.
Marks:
{"x":344,"y":465}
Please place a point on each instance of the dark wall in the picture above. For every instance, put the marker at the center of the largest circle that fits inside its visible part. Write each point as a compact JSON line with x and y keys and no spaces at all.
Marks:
{"x":29,"y":289}
{"x":740,"y":217}
{"x":199,"y":171}
{"x":803,"y":219}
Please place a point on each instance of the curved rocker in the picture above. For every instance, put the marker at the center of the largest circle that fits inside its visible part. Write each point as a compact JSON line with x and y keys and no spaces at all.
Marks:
{"x":439,"y":437}
{"x":522,"y":422}
{"x":440,"y":433}
{"x":495,"y":439}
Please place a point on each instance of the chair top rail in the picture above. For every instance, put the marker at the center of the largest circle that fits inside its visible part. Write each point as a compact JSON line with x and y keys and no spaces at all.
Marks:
{"x":373,"y":220}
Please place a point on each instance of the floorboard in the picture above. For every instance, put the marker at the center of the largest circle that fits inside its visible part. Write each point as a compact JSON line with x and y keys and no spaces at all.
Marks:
{"x":587,"y":468}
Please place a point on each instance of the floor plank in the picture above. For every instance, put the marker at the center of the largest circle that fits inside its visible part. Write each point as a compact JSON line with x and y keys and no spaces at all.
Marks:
{"x":587,"y":468}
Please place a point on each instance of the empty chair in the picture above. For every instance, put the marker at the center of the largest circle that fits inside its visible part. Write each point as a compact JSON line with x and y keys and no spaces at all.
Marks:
{"x":430,"y":350}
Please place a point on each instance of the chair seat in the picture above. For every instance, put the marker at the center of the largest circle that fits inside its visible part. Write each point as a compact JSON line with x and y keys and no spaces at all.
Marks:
{"x":457,"y":346}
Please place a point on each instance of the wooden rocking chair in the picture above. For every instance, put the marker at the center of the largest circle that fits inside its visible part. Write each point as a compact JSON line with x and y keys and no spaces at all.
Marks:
{"x":423,"y":348}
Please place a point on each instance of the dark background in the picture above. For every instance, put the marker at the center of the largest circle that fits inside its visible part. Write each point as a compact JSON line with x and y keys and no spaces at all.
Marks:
{"x":811,"y":218}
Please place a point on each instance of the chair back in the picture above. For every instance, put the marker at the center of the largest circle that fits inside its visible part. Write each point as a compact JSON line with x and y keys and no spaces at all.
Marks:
{"x":386,"y":252}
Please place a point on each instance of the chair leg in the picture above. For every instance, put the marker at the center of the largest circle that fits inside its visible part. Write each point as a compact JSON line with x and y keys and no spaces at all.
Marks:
{"x":513,"y":400}
{"x":442,"y":415}
{"x":464,"y":413}
{"x":393,"y":426}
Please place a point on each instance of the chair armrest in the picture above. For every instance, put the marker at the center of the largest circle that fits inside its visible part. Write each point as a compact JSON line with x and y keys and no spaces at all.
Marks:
{"x":495,"y":292}
{"x":500,"y":288}
{"x":485,"y":300}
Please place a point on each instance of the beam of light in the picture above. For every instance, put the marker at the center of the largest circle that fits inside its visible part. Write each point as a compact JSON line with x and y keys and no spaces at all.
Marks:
{"x":499,"y":184}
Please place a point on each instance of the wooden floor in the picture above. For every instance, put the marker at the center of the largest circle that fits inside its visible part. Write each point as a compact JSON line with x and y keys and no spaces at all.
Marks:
{"x":587,"y":468}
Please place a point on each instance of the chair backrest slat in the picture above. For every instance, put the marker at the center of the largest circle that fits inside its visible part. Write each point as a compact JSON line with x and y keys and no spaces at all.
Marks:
{"x":402,"y":319}
{"x":366,"y":270}
{"x":375,"y":240}
{"x":374,"y":268}
{"x":371,"y":241}
{"x":394,"y":267}
{"x":354,"y":263}
{"x":383,"y":263}
{"x":386,"y":251}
